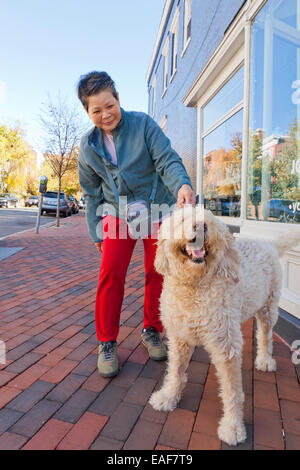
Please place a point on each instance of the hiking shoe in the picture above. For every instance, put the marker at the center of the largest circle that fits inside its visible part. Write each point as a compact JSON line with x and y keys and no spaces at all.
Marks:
{"x":108,"y":359}
{"x":153,"y":342}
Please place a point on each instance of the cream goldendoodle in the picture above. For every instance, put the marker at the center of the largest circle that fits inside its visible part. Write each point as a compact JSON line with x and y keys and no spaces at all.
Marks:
{"x":212,"y":284}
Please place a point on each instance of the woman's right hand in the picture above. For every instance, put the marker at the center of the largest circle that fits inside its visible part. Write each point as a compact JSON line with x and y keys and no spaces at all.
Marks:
{"x":99,"y":246}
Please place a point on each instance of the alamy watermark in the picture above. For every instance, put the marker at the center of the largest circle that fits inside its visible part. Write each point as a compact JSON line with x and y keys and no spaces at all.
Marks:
{"x":296,"y":352}
{"x":2,"y":92}
{"x":142,"y":220}
{"x":2,"y":352}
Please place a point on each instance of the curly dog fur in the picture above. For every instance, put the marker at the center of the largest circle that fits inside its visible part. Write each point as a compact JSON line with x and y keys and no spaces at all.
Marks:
{"x":212,"y":284}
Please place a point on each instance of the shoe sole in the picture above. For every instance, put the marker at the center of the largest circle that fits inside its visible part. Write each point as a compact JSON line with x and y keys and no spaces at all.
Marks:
{"x":158,"y":358}
{"x":112,"y":374}
{"x":163,"y":358}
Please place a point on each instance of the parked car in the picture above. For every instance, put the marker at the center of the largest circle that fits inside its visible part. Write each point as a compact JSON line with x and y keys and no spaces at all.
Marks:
{"x":8,"y":200}
{"x":32,"y":201}
{"x":231,"y":207}
{"x":50,"y":203}
{"x":81,"y":203}
{"x":283,"y":210}
{"x":74,"y":205}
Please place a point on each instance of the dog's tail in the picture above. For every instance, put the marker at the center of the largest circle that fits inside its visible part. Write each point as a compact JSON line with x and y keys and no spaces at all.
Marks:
{"x":286,"y":241}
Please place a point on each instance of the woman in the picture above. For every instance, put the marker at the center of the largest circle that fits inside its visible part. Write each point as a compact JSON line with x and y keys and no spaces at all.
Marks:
{"x":121,"y":156}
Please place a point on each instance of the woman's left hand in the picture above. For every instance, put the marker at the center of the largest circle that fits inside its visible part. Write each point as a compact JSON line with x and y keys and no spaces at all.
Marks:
{"x":186,"y":195}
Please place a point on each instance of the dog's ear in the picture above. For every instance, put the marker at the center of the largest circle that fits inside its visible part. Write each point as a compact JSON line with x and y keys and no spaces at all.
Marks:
{"x":229,"y":266}
{"x":161,"y":262}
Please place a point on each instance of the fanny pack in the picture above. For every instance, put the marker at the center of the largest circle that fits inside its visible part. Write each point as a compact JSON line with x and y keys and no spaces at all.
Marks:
{"x":137,"y":210}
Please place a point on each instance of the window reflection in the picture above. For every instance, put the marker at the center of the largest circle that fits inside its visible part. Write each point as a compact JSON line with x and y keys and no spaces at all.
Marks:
{"x":222,"y":167}
{"x":274,"y":156}
{"x":229,"y":95}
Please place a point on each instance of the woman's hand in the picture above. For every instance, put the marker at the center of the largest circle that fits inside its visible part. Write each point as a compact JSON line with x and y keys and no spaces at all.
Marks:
{"x":99,"y":246}
{"x":186,"y":195}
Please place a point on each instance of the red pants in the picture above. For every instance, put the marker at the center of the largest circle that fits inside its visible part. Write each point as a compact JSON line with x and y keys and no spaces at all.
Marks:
{"x":116,"y":255}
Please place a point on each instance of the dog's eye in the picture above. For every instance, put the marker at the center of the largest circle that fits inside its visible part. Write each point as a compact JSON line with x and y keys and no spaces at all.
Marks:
{"x":193,"y":241}
{"x":205,"y":227}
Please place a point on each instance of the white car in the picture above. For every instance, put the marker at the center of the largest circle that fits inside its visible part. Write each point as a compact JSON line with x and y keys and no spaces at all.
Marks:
{"x":8,"y":200}
{"x":81,"y":203}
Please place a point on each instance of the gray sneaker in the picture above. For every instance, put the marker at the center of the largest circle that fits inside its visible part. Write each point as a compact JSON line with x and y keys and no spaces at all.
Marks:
{"x":108,"y":359}
{"x":153,"y":342}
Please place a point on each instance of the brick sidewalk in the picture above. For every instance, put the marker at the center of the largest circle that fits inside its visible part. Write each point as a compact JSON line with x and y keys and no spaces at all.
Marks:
{"x":52,"y":396}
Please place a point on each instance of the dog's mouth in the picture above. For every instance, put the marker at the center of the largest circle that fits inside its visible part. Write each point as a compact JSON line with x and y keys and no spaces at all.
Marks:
{"x":195,"y":253}
{"x":196,"y":256}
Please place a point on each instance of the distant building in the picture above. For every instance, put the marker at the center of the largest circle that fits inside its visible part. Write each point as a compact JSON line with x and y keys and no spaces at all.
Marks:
{"x":224,"y":85}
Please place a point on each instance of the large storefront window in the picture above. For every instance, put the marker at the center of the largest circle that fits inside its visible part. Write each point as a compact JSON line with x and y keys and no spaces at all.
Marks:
{"x":274,"y":153}
{"x":222,"y":148}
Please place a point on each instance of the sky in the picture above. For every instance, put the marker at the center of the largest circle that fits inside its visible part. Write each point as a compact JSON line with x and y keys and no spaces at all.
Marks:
{"x":46,"y":46}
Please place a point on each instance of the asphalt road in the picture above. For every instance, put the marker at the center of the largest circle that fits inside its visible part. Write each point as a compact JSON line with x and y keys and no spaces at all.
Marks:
{"x":19,"y":219}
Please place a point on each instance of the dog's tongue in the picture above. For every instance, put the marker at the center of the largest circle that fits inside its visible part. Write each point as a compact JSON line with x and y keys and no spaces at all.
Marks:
{"x":196,"y":253}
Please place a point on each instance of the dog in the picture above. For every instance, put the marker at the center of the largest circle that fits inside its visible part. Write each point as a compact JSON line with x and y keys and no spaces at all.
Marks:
{"x":212,"y":283}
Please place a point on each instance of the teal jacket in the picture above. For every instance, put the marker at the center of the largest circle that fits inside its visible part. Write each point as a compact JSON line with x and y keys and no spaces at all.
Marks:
{"x":142,"y":148}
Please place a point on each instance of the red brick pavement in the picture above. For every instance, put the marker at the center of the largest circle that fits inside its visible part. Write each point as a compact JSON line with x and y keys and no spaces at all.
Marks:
{"x":51,"y":395}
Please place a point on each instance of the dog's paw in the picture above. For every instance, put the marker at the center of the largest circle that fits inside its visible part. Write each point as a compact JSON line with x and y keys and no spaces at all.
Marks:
{"x":266,"y":364}
{"x":162,"y":401}
{"x":230,"y":433}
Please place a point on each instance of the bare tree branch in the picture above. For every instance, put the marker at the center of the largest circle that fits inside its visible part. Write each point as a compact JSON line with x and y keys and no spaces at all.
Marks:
{"x":63,"y":129}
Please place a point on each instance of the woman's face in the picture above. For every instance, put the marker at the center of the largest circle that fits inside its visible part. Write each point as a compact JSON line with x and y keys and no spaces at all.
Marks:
{"x":104,"y":110}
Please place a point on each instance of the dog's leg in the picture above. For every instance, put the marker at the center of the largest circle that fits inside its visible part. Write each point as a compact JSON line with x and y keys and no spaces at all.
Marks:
{"x":231,"y":427}
{"x":266,"y":319}
{"x":179,"y":355}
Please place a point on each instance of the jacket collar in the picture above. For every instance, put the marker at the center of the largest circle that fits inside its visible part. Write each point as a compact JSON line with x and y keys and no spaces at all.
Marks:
{"x":122,"y":122}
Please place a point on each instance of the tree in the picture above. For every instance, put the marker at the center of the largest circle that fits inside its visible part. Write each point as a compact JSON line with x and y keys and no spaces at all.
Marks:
{"x":255,"y":169}
{"x":279,"y":178}
{"x":63,"y":128}
{"x":32,"y":186}
{"x":222,"y":170}
{"x":284,"y":183}
{"x":17,"y":161}
{"x":69,"y":182}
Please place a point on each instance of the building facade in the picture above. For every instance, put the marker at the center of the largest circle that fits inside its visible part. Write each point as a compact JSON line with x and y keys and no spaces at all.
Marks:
{"x":224,"y":84}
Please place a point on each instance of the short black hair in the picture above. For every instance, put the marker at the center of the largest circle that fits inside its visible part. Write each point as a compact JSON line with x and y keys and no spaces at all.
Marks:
{"x":92,"y":83}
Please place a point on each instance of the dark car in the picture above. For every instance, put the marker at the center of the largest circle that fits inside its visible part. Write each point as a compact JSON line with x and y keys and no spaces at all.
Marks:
{"x":223,"y":206}
{"x":50,"y":203}
{"x":283,"y":210}
{"x":8,"y":200}
{"x":74,"y":205}
{"x":32,"y":201}
{"x":231,"y":207}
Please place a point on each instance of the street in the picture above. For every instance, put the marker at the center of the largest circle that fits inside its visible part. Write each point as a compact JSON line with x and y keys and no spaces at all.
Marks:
{"x":19,"y":219}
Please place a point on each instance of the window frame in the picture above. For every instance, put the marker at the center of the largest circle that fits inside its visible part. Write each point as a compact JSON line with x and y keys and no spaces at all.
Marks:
{"x":202,"y":134}
{"x":217,"y":84}
{"x":174,"y":43}
{"x":163,"y":123}
{"x":165,"y":54}
{"x":232,"y":51}
{"x":154,"y":95}
{"x":187,"y":21}
{"x":235,"y":49}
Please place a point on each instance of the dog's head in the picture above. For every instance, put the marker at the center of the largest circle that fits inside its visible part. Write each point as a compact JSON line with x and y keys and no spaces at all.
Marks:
{"x":192,"y":242}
